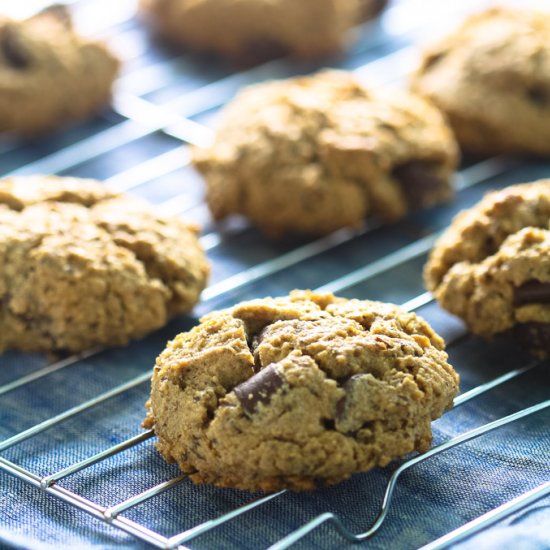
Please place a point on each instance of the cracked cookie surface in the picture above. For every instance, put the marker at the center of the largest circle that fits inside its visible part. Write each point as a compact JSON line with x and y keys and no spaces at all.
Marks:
{"x":492,"y":265}
{"x":82,"y":266}
{"x":255,"y":30}
{"x":298,"y":391}
{"x":314,"y":154}
{"x":492,"y":79}
{"x":49,"y":75}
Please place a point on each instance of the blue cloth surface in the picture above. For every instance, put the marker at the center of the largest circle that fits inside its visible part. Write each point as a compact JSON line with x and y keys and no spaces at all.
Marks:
{"x":431,"y":499}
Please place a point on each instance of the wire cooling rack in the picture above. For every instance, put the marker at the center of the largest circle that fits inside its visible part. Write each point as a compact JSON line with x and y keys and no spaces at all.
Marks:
{"x":164,"y":100}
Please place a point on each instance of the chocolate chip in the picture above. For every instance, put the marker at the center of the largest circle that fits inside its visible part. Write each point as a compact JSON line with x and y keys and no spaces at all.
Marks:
{"x":419,"y":181}
{"x":13,"y":49}
{"x":534,"y":336}
{"x":532,"y":292}
{"x":539,"y":96}
{"x":258,"y":389}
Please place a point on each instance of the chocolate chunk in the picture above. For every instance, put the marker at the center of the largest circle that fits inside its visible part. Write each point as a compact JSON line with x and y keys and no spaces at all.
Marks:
{"x":539,"y":96}
{"x":419,"y":182}
{"x":258,"y":389}
{"x":532,"y":292}
{"x":13,"y":49}
{"x":534,"y":336}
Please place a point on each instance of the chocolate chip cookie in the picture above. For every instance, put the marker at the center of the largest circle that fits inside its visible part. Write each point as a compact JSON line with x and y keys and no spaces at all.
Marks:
{"x":82,"y":266}
{"x":49,"y":75}
{"x":492,"y":265}
{"x":298,"y":391}
{"x":255,"y":30}
{"x":314,"y":154}
{"x":492,"y":79}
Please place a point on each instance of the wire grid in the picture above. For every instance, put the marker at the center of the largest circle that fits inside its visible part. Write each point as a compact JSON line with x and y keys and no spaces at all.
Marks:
{"x":157,"y":107}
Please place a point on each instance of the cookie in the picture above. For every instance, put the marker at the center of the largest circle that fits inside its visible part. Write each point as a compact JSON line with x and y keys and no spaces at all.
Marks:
{"x":492,"y":79}
{"x":314,"y":154}
{"x":298,"y":391}
{"x":492,"y":265}
{"x":255,"y":30}
{"x":83,"y":266}
{"x":49,"y":75}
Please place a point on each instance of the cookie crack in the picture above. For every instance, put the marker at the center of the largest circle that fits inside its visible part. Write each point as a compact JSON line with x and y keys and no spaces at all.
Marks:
{"x":159,"y":271}
{"x":478,"y":234}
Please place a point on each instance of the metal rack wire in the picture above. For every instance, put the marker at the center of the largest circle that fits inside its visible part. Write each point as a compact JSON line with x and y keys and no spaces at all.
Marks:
{"x":382,"y":57}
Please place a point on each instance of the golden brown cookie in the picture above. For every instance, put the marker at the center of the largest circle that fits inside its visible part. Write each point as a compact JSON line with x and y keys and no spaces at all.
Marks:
{"x":299,"y":391}
{"x":49,"y":75}
{"x":492,"y":265}
{"x":83,"y":266}
{"x":492,"y":79}
{"x":317,"y":153}
{"x":255,"y":30}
